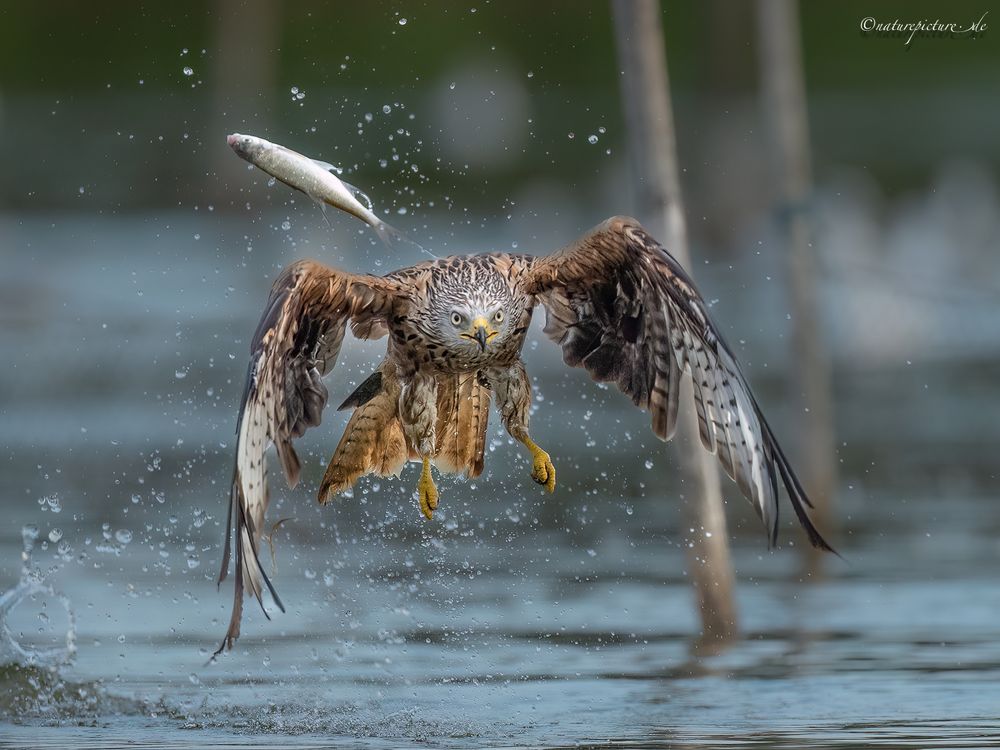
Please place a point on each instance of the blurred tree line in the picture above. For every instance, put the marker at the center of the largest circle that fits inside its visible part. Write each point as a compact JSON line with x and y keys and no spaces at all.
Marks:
{"x":99,"y":89}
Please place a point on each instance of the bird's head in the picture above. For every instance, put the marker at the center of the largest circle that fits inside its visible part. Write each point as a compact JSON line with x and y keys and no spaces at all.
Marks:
{"x":472,"y":318}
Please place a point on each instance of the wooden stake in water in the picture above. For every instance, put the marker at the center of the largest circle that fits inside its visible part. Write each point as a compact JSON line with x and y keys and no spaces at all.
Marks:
{"x":652,"y":147}
{"x":786,"y":115}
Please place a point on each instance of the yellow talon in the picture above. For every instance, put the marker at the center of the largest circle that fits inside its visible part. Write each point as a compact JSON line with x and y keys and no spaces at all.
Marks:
{"x":427,"y":492}
{"x":542,"y":470}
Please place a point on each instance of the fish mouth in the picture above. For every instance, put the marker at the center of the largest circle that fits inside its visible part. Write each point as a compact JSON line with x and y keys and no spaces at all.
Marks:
{"x":231,"y":139}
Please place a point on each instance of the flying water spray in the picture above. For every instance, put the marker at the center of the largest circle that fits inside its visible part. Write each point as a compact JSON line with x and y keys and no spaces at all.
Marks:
{"x":33,"y":585}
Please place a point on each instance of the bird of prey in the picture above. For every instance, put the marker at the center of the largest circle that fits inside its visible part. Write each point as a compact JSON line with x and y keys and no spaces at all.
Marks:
{"x":616,"y":302}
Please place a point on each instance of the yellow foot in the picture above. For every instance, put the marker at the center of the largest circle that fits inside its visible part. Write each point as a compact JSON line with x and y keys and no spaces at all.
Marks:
{"x":542,"y":470}
{"x":427,"y":492}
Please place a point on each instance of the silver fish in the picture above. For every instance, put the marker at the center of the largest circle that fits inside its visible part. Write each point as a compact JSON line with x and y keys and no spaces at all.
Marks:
{"x":314,"y":178}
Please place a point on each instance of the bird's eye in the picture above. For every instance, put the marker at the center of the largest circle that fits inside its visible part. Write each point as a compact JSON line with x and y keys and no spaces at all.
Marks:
{"x":499,"y":316}
{"x":456,"y":319}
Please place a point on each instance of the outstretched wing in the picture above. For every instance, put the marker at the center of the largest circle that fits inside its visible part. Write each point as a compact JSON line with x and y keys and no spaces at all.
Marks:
{"x":620,"y":306}
{"x":296,"y":343}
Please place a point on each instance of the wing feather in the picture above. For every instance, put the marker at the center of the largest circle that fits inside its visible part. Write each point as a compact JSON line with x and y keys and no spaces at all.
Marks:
{"x":624,"y":309}
{"x":296,"y":342}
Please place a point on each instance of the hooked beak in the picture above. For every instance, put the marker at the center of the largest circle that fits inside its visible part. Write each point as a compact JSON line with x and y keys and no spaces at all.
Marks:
{"x":481,"y":333}
{"x":480,"y":337}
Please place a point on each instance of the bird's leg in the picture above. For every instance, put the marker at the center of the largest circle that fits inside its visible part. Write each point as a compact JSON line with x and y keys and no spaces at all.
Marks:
{"x":542,"y":470}
{"x":426,"y":491}
{"x":512,"y":393}
{"x":418,"y":413}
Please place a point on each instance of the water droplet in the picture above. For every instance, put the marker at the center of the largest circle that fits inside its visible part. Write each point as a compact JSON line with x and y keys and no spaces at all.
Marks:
{"x":193,"y":679}
{"x":531,"y":74}
{"x":124,"y":536}
{"x":649,"y":464}
{"x":295,"y":89}
{"x":286,"y":225}
{"x":386,"y":109}
{"x":82,"y":189}
{"x":55,"y":535}
{"x":29,"y":534}
{"x":452,"y":85}
{"x":121,"y":638}
{"x":571,"y":136}
{"x":402,"y":22}
{"x":180,"y":374}
{"x":591,"y":139}
{"x":188,"y":71}
{"x":193,"y":562}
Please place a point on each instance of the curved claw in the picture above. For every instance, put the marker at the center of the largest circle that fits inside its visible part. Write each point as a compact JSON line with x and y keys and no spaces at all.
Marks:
{"x":427,"y":492}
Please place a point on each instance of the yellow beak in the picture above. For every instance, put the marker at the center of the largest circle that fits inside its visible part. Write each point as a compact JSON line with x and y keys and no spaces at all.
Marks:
{"x":481,"y":332}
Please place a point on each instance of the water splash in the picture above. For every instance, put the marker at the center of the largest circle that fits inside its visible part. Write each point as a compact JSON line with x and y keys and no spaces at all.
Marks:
{"x":33,"y":583}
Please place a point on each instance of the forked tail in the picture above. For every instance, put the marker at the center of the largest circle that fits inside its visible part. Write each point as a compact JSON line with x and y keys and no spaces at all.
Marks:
{"x":374,"y":443}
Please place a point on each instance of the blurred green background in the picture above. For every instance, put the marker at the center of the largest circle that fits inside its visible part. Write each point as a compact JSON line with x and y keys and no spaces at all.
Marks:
{"x":95,"y":94}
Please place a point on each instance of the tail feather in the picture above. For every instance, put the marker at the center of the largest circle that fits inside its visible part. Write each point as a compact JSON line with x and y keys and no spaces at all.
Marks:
{"x":372,"y":441}
{"x":463,"y":413}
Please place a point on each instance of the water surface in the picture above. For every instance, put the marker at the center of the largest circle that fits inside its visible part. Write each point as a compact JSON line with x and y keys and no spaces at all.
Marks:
{"x":514,"y":619}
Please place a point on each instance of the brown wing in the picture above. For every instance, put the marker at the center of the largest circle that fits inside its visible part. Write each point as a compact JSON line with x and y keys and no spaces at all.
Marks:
{"x":620,"y":306}
{"x":297,"y":342}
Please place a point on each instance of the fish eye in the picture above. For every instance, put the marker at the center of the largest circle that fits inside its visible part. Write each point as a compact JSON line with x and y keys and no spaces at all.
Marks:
{"x":456,"y":319}
{"x":499,"y":316}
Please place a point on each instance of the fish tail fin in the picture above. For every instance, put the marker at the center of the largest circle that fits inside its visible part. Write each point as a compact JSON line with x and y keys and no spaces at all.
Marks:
{"x":390,"y":236}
